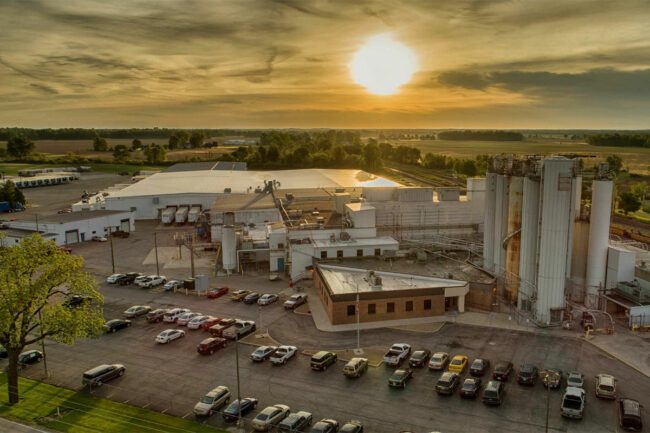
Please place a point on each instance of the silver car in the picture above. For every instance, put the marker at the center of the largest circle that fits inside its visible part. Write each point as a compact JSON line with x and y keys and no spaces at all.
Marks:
{"x":270,"y":416}
{"x":212,"y":401}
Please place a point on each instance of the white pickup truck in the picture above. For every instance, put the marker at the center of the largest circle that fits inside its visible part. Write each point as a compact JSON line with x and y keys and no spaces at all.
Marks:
{"x":397,"y":353}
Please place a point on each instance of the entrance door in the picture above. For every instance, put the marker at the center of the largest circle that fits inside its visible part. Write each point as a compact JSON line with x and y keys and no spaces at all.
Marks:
{"x":125,"y":225}
{"x":72,"y":237}
{"x":280,"y":263}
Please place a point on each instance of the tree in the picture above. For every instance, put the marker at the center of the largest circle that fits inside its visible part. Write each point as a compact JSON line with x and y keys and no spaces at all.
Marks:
{"x":338,"y":156}
{"x":36,"y":278}
{"x":273,"y":154}
{"x":615,"y":163}
{"x":628,"y":202}
{"x":120,"y":153}
{"x":640,"y":190}
{"x":136,"y":144}
{"x":372,"y":155}
{"x":19,"y":146}
{"x":155,"y":153}
{"x":178,"y":139}
{"x":100,"y":144}
{"x":196,"y":139}
{"x":11,"y":194}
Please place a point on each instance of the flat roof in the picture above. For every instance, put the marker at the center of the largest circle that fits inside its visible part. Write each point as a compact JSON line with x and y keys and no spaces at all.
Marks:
{"x":342,"y":280}
{"x":241,"y":182}
{"x":235,"y":202}
{"x":78,"y":216}
{"x":22,"y":232}
{"x":189,"y":166}
{"x":384,"y":240}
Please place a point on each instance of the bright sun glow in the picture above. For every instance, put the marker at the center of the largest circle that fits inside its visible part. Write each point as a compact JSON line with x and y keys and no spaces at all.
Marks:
{"x":382,"y":65}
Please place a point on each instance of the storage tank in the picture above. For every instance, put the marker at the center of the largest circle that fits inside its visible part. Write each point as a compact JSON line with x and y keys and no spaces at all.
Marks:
{"x":500,"y":224}
{"x":168,"y":215}
{"x":229,"y":248}
{"x":528,"y":245}
{"x":181,"y":214}
{"x":513,"y":236}
{"x":601,"y":205}
{"x":488,"y":225}
{"x":194,"y":213}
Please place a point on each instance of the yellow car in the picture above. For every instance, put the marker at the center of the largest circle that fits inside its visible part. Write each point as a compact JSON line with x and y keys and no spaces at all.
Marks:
{"x":458,"y":363}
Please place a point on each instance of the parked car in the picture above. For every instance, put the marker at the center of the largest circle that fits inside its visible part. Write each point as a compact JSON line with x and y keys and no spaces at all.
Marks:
{"x":128,"y":278}
{"x":210,"y":323}
{"x":112,"y":279}
{"x":458,"y":363}
{"x":527,"y":375}
{"x":439,"y":361}
{"x":325,"y":426}
{"x":232,"y":411}
{"x":74,"y":301}
{"x":185,"y":318}
{"x":137,"y":310}
{"x":471,"y":387}
{"x":295,"y":421}
{"x":323,"y":359}
{"x":502,"y":370}
{"x":172,"y":315}
{"x":30,"y":357}
{"x":239,"y":329}
{"x":103,"y":373}
{"x":139,"y":279}
{"x":575,"y":379}
{"x":99,"y":239}
{"x":396,"y":354}
{"x":217,"y":330}
{"x":573,"y":402}
{"x":605,"y":386}
{"x":448,"y":382}
{"x":551,"y":377}
{"x":420,"y":358}
{"x":267,"y":298}
{"x":116,"y":325}
{"x":169,"y":335}
{"x":494,"y":392}
{"x":283,"y":354}
{"x":251,"y":298}
{"x":270,"y":416}
{"x":295,"y":301}
{"x":352,"y":427}
{"x":156,"y":315}
{"x":238,"y":295}
{"x":152,"y":281}
{"x":355,"y":367}
{"x":212,"y":401}
{"x":197,"y":322}
{"x":479,"y":367}
{"x":629,"y":414}
{"x":172,"y":285}
{"x":211,"y":345}
{"x":400,"y":377}
{"x":217,"y":292}
{"x":262,"y":353}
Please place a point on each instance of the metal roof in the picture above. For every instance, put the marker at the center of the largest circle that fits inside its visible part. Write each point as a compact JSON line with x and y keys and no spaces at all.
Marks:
{"x":78,"y":216}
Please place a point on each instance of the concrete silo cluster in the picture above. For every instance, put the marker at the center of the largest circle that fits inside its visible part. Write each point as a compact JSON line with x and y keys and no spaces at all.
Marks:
{"x":531,"y":209}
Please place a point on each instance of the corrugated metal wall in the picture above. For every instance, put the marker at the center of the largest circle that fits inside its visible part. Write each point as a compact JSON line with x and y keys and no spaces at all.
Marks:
{"x":515,"y":199}
{"x":500,"y":224}
{"x":488,"y":226}
{"x":528,"y":247}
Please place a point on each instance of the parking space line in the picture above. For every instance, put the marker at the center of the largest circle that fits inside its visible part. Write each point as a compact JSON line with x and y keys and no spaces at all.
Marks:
{"x":165,"y":410}
{"x":146,"y":405}
{"x":126,"y":401}
{"x":189,"y":413}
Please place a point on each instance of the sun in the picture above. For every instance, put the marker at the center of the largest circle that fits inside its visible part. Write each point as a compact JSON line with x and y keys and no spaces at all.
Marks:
{"x":383,"y":65}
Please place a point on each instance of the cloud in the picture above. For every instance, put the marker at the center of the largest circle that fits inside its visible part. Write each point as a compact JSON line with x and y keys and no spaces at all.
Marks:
{"x":263,"y":74}
{"x":306,"y":8}
{"x":16,"y":69}
{"x":45,"y":89}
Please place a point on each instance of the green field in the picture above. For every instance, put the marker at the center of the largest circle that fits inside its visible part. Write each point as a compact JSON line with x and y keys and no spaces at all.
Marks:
{"x":11,"y":169}
{"x":82,"y":413}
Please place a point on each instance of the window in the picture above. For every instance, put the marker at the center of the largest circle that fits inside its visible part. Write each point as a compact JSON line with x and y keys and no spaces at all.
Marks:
{"x":390,"y":307}
{"x":351,"y":310}
{"x":323,"y":254}
{"x":339,"y":254}
{"x":378,"y":251}
{"x":372,"y":308}
{"x":409,"y":305}
{"x":359,"y":253}
{"x":427,"y":304}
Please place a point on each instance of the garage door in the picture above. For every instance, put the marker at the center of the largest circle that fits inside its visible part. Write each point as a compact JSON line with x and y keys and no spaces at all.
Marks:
{"x":72,"y":237}
{"x":125,"y":226}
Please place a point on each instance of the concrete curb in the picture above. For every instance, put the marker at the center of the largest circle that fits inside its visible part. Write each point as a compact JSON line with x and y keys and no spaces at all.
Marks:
{"x":617,"y":358}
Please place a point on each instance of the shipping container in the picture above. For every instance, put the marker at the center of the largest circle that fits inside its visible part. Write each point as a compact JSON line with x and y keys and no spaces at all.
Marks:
{"x":181,"y":214}
{"x":193,"y":215}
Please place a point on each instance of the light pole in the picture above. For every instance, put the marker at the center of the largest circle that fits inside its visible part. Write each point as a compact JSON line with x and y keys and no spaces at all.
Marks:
{"x":238,"y":388}
{"x":155,"y":245}
{"x":110,"y":236}
{"x":548,"y":396}
{"x":358,"y":320}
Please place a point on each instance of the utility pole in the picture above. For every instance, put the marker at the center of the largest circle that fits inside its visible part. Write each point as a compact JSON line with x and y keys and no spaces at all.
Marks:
{"x":192,"y":258}
{"x":155,"y":245}
{"x":238,"y":389}
{"x":358,"y":319}
{"x":37,"y":231}
{"x":40,"y":320}
{"x":548,"y":396}
{"x":110,"y":236}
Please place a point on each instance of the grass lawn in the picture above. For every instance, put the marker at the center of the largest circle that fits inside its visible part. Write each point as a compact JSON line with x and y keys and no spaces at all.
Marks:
{"x":82,"y":413}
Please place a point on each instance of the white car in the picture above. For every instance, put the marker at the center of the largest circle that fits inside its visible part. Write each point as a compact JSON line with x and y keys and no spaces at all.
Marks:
{"x":295,"y":300}
{"x":575,"y":379}
{"x":113,"y":278}
{"x":99,"y":239}
{"x":170,"y":285}
{"x":169,"y":335}
{"x":139,"y":279}
{"x":196,"y":322}
{"x":172,"y":315}
{"x":184,"y":319}
{"x":270,"y":416}
{"x":267,"y":299}
{"x":283,"y":354}
{"x":137,"y":310}
{"x":212,"y":401}
{"x":152,"y":281}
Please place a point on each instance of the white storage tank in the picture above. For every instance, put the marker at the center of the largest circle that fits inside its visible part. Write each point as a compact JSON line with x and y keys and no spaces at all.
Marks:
{"x":415,"y":194}
{"x":229,"y":248}
{"x":194,"y":213}
{"x":181,"y":215}
{"x":601,"y":205}
{"x":621,"y":264}
{"x":168,"y":215}
{"x":201,"y":283}
{"x":488,"y":225}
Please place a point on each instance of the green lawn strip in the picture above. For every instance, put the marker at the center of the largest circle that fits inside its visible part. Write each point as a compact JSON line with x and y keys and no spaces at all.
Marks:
{"x":83,"y":413}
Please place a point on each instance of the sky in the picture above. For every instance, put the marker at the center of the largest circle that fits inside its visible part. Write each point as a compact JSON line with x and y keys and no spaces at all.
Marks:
{"x":285,"y":63}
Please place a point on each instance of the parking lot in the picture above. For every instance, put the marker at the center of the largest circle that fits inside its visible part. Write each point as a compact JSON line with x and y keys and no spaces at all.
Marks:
{"x":171,"y":378}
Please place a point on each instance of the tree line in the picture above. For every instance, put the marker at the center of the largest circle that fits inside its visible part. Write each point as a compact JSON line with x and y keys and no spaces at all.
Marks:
{"x":481,"y":135}
{"x":623,"y":140}
{"x":91,"y":133}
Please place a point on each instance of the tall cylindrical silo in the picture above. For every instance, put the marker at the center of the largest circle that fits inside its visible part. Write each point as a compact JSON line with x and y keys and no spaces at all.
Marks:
{"x":601,"y":205}
{"x":554,"y":237}
{"x":513,"y":236}
{"x":500,"y":223}
{"x":528,"y":246}
{"x":229,"y":248}
{"x":488,"y":226}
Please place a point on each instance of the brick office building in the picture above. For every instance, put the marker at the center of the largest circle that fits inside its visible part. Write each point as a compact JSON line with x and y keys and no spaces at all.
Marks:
{"x":385,"y":295}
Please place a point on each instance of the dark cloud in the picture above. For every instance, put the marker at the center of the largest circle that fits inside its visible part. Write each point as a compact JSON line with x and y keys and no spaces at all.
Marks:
{"x":43,"y":88}
{"x":263,"y":75}
{"x":91,"y":61}
{"x":305,"y":8}
{"x":17,"y":70}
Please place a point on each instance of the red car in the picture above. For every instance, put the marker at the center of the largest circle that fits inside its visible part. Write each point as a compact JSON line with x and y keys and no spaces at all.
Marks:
{"x":210,"y":345}
{"x":219,"y":291}
{"x":209,"y":323}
